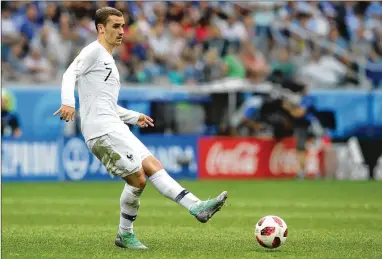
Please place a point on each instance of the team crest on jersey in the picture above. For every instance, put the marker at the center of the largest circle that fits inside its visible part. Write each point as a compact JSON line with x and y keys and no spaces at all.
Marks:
{"x":130,"y":157}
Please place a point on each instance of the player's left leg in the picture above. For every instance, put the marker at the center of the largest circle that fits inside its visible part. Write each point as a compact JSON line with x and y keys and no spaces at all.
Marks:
{"x":120,"y":160}
{"x":168,"y":187}
{"x":129,"y":203}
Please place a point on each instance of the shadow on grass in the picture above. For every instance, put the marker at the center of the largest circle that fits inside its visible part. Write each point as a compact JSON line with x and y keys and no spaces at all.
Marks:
{"x":271,"y":251}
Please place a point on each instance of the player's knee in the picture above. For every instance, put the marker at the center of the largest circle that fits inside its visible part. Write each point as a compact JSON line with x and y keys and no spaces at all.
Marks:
{"x":137,"y":179}
{"x":141,"y":181}
{"x":151,"y":165}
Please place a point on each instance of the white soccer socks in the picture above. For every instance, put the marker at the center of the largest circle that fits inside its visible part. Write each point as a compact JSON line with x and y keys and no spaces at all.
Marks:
{"x":169,"y":188}
{"x":129,"y":202}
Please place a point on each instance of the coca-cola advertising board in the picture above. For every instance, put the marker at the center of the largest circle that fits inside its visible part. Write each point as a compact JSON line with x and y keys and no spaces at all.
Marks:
{"x":245,"y":158}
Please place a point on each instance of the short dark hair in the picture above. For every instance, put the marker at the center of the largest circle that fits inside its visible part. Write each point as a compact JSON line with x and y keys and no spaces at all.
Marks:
{"x":102,"y":15}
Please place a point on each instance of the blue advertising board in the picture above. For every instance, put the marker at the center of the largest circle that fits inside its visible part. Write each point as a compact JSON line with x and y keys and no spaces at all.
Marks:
{"x":35,"y":105}
{"x":29,"y":159}
{"x":352,"y":109}
{"x":70,"y":159}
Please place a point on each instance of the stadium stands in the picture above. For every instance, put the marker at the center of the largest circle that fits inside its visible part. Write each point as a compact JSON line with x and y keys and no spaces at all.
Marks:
{"x":331,"y":44}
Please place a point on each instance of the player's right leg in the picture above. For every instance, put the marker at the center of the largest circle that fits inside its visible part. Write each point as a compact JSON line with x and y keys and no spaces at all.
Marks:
{"x":168,"y":187}
{"x":119,"y":160}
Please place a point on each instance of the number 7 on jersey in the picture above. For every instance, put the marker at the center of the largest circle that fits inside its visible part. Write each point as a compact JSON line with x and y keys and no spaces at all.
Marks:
{"x":108,"y":68}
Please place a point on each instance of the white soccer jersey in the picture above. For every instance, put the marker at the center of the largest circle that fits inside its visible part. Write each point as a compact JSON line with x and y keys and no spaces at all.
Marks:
{"x":98,"y":83}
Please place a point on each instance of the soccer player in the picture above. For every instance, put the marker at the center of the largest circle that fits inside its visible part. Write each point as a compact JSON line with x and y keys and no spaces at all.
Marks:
{"x":103,"y":124}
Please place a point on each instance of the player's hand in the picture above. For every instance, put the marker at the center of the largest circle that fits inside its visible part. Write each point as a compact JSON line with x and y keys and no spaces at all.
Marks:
{"x":144,"y":121}
{"x":66,"y":113}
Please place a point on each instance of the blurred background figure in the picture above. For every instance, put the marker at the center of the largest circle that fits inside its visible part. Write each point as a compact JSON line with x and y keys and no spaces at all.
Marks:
{"x":10,"y":124}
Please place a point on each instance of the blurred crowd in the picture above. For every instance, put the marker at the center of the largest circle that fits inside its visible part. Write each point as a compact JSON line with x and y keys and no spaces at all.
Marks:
{"x":329,"y":43}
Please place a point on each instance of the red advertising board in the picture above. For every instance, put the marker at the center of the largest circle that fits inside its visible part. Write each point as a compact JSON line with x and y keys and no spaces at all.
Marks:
{"x":245,"y":158}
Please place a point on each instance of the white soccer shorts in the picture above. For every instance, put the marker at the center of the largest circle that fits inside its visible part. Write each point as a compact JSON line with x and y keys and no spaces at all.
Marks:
{"x":120,"y":151}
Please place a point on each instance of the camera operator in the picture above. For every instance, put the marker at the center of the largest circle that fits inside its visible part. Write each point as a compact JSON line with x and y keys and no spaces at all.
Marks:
{"x":287,"y":110}
{"x":246,"y":119}
{"x":274,"y":115}
{"x":305,"y":124}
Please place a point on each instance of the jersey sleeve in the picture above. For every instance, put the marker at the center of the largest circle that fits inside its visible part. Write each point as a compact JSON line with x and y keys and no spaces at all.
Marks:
{"x":82,"y":64}
{"x":128,"y":116}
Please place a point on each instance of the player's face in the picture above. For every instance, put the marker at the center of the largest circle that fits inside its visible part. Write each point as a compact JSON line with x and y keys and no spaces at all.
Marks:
{"x":114,"y":30}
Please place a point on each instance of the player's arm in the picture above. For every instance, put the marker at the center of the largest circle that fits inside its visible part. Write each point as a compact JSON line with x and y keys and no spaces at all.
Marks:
{"x":295,"y":111}
{"x":81,"y":65}
{"x":133,"y":117}
{"x":251,"y":113}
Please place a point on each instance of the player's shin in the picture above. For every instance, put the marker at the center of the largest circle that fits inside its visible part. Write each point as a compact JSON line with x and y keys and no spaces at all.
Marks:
{"x":169,"y":188}
{"x":129,"y":202}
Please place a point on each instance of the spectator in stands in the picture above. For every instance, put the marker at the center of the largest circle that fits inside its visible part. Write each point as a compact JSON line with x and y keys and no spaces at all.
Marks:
{"x":214,"y":40}
{"x":323,"y":69}
{"x":235,"y":67}
{"x":213,"y":67}
{"x":202,"y":30}
{"x":159,"y":42}
{"x":131,"y":38}
{"x":136,"y":73}
{"x":233,"y":29}
{"x":15,"y":65}
{"x":377,"y":43}
{"x":29,"y":25}
{"x":263,"y":13}
{"x":10,"y":125}
{"x":250,"y":28}
{"x":175,"y":12}
{"x":192,"y":75}
{"x":188,"y":29}
{"x":254,"y":63}
{"x":361,"y":41}
{"x":334,"y":36}
{"x":50,"y":39}
{"x":177,"y":42}
{"x":86,"y":30}
{"x":317,"y":23}
{"x":176,"y":74}
{"x":52,"y":14}
{"x":38,"y":66}
{"x":9,"y":34}
{"x":374,"y":19}
{"x":142,"y":25}
{"x":284,"y":64}
{"x":62,"y":40}
{"x":374,"y":68}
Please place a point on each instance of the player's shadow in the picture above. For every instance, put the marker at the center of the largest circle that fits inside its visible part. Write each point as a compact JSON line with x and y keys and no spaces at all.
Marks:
{"x":273,"y":251}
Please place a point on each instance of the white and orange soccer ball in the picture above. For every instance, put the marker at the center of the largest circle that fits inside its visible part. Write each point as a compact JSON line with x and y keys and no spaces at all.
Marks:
{"x":271,"y":231}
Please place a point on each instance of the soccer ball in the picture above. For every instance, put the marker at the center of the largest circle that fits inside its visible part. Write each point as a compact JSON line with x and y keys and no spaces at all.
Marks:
{"x":271,"y":231}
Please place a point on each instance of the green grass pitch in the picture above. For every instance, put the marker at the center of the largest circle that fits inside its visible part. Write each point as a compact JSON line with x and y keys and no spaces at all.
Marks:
{"x":79,"y":220}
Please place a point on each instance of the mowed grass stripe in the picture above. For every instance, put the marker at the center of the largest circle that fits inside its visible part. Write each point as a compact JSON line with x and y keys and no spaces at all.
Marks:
{"x":79,"y":220}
